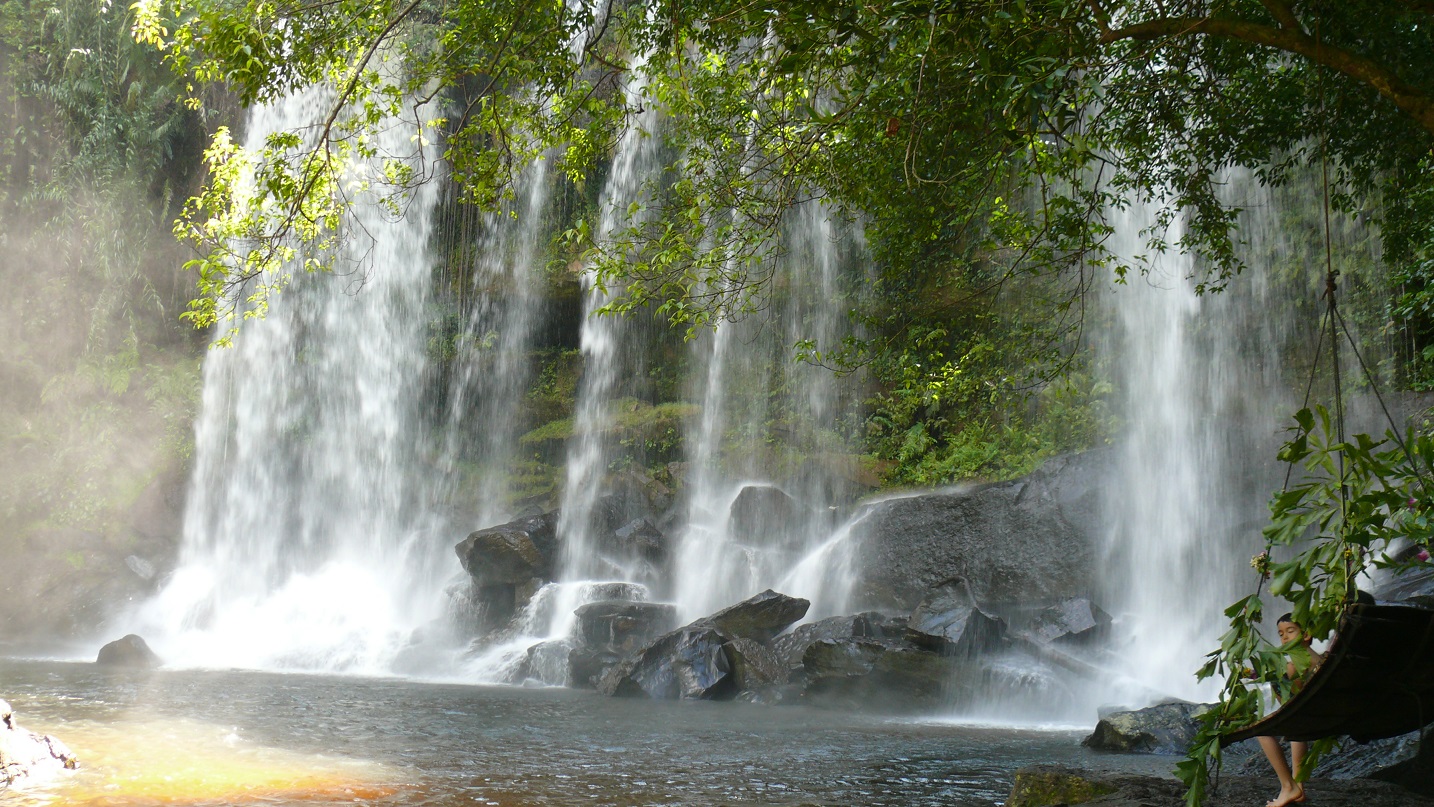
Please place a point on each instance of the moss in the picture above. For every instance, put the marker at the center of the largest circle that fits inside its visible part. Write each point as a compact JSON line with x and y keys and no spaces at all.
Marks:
{"x":1049,"y":787}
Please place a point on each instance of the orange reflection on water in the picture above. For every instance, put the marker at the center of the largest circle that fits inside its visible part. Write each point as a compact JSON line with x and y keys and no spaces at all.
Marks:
{"x":187,"y":763}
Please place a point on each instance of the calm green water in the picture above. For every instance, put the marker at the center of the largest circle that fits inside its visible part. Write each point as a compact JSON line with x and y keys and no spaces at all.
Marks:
{"x":240,"y":738}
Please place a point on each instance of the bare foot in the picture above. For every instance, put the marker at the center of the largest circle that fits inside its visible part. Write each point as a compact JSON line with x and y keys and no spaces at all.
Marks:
{"x":1288,"y":796}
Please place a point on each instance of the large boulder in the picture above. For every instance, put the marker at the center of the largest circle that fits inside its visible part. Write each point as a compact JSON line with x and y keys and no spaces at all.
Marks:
{"x":1073,"y":621}
{"x":506,"y":564}
{"x":1035,"y":538}
{"x":949,"y":621}
{"x":875,"y":674}
{"x":29,"y":756}
{"x":546,"y":663}
{"x":765,"y":515}
{"x":511,"y":553}
{"x":789,"y":647}
{"x":1166,"y":728}
{"x":754,"y":667}
{"x":760,"y":617}
{"x":687,"y":664}
{"x":622,"y":626}
{"x":130,"y":651}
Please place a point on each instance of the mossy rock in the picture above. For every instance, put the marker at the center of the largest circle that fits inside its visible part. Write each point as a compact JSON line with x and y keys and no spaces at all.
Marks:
{"x":1043,"y":786}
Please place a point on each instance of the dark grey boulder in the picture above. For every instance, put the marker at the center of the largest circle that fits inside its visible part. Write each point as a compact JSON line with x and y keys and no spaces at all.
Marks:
{"x":766,"y":515}
{"x":130,"y":651}
{"x":875,"y":674}
{"x":1412,"y":586}
{"x":949,"y":621}
{"x":754,"y":667}
{"x":588,"y":666}
{"x":27,"y":755}
{"x":622,"y":626}
{"x":512,"y":553}
{"x":1076,"y":621}
{"x":547,"y":663}
{"x":760,"y":617}
{"x":1035,"y":538}
{"x":789,"y":647}
{"x":686,"y":664}
{"x":639,"y":538}
{"x":1166,"y":728}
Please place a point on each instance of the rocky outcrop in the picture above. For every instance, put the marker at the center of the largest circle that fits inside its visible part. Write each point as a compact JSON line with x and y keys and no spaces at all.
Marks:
{"x":623,"y":626}
{"x":130,"y":651}
{"x":1074,"y":621}
{"x":27,"y":756}
{"x":766,"y":516}
{"x":1030,"y":539}
{"x":760,"y":617}
{"x":754,"y":667}
{"x":687,"y":664}
{"x":1166,"y":728}
{"x":949,"y":621}
{"x":790,"y":647}
{"x":507,"y":564}
{"x":866,"y":674}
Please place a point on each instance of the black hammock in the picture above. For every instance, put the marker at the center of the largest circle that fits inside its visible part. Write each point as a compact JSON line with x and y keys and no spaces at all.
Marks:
{"x":1377,"y":681}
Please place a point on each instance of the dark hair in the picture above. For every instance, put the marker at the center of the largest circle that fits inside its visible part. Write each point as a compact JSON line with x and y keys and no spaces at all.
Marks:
{"x":1290,"y":618}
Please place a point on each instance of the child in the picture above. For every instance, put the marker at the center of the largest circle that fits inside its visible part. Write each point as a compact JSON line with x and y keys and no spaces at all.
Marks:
{"x":1302,"y":661}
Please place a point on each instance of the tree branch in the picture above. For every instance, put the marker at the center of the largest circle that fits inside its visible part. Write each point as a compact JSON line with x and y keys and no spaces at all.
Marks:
{"x":1412,"y":101}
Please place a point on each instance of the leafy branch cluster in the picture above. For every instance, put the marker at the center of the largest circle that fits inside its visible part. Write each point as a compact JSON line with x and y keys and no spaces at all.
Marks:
{"x":1361,"y":503}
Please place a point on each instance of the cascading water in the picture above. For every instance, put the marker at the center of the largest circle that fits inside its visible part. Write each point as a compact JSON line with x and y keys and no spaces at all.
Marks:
{"x":309,"y":541}
{"x":494,"y":369}
{"x":745,"y":531}
{"x":1201,"y":394}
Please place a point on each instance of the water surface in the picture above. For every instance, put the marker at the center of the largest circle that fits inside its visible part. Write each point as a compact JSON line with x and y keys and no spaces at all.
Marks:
{"x":250,"y":738}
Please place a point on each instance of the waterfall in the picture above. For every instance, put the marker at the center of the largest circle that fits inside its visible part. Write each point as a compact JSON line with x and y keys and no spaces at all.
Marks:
{"x":607,"y":347}
{"x":308,"y":540}
{"x":492,"y":368}
{"x":1202,"y":396}
{"x":726,"y":554}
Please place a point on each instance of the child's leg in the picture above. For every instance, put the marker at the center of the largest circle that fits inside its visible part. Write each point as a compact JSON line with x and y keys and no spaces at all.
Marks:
{"x":1276,"y":755}
{"x":1297,"y":756}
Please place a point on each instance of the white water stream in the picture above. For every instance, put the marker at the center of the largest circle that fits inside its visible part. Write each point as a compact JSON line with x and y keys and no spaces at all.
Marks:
{"x":309,"y":536}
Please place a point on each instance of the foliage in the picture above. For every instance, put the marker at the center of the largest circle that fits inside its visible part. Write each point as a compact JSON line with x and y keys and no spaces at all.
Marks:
{"x":1361,"y":497}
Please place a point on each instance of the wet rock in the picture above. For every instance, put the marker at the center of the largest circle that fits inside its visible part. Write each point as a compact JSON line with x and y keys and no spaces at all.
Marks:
{"x":1413,"y":586}
{"x":1395,"y":759}
{"x":759,"y":618}
{"x":686,"y":664}
{"x":27,"y":756}
{"x":765,"y":515}
{"x":639,"y":538}
{"x":754,"y":667}
{"x":880,"y":674}
{"x":621,"y":626}
{"x":512,"y":553}
{"x":789,"y":647}
{"x":1048,"y":785}
{"x":547,"y":663}
{"x":130,"y":651}
{"x":1166,"y":728}
{"x":507,"y":564}
{"x":949,"y":621}
{"x":588,"y":666}
{"x":1076,"y":621}
{"x":1035,"y":538}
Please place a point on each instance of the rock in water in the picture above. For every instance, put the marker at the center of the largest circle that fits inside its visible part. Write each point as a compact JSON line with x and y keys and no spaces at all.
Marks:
{"x":759,"y":618}
{"x":28,"y":756}
{"x":949,"y":621}
{"x":764,"y":515}
{"x":879,"y":674}
{"x":754,"y":667}
{"x":623,"y":626}
{"x":131,"y":651}
{"x":1076,"y":620}
{"x":687,"y":664}
{"x":1166,"y":728}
